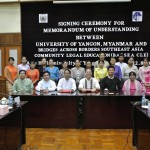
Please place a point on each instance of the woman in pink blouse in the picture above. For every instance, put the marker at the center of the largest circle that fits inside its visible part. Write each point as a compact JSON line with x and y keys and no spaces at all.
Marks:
{"x":132,"y":85}
{"x":144,"y":74}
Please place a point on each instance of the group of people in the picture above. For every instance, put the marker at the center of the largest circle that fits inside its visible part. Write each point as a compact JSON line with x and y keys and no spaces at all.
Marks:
{"x":114,"y":76}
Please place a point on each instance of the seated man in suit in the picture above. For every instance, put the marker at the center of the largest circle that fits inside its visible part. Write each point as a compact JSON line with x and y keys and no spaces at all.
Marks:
{"x":66,"y":84}
{"x":46,"y":84}
{"x":88,"y":84}
{"x":23,"y":85}
{"x":111,"y":82}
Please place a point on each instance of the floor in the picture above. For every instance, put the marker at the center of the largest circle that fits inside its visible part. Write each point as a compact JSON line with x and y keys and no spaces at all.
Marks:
{"x":78,"y":139}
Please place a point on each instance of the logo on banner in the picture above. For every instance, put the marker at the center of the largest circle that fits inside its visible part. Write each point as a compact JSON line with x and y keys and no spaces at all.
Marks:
{"x":43,"y":18}
{"x":137,"y":16}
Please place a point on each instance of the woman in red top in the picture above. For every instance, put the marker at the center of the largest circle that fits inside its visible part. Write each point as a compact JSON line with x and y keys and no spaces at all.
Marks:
{"x":11,"y":74}
{"x":33,"y":73}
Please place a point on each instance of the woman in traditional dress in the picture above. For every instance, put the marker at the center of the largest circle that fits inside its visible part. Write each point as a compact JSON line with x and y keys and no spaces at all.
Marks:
{"x":144,"y":75}
{"x":101,"y":71}
{"x":33,"y":73}
{"x":11,"y":74}
{"x":132,"y":85}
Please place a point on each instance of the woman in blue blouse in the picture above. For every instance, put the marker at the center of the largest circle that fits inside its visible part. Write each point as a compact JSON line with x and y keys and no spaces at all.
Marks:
{"x":53,"y":70}
{"x":117,"y":72}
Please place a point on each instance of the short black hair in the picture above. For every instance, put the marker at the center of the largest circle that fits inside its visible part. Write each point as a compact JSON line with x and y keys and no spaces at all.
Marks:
{"x":24,"y":57}
{"x":64,"y":61}
{"x":77,"y":59}
{"x":88,"y":69}
{"x":100,"y":61}
{"x":132,"y":73}
{"x":109,"y":67}
{"x":43,"y":58}
{"x":112,"y":58}
{"x":32,"y":62}
{"x":11,"y":58}
{"x":146,"y":59}
{"x":46,"y":72}
{"x":67,"y":69}
{"x":22,"y":71}
{"x":101,"y":53}
{"x":51,"y":59}
{"x":88,"y":61}
{"x":121,"y":54}
{"x":130,"y":58}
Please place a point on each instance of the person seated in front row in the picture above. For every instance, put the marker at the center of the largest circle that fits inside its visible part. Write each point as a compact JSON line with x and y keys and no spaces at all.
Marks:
{"x":22,"y":85}
{"x":46,"y":84}
{"x":88,"y":84}
{"x":66,"y":84}
{"x":132,"y":85}
{"x":111,"y":82}
{"x":42,"y":67}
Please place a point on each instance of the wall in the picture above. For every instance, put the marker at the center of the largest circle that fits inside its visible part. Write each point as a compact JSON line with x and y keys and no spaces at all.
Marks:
{"x":10,"y":33}
{"x":10,"y":18}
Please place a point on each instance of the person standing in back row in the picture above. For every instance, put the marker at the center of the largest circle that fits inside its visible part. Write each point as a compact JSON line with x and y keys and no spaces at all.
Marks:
{"x":130,"y":67}
{"x":42,"y":67}
{"x":33,"y":73}
{"x":23,"y":65}
{"x":117,"y":72}
{"x":53,"y":70}
{"x":64,"y":67}
{"x":144,"y":75}
{"x":77,"y":72}
{"x":101,"y":58}
{"x":11,"y":74}
{"x":121,"y":62}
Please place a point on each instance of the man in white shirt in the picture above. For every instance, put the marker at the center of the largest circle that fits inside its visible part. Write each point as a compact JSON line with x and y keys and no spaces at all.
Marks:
{"x":121,"y":63}
{"x":88,"y":84}
{"x":46,"y":85}
{"x":66,"y":83}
